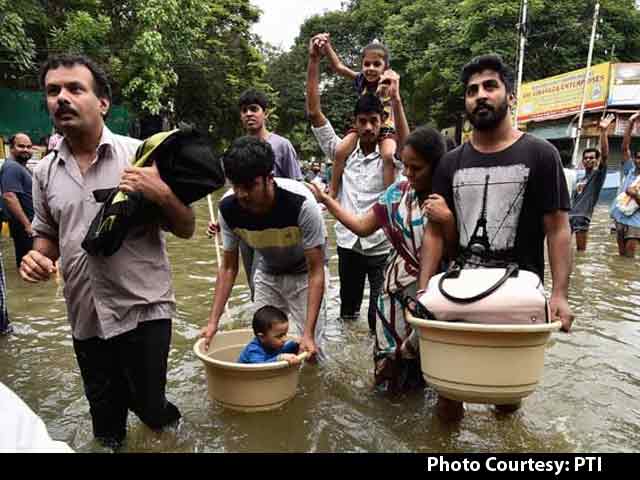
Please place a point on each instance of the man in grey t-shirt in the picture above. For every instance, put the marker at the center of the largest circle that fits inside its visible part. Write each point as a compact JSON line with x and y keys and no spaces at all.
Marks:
{"x":254,"y":112}
{"x":280,"y":219}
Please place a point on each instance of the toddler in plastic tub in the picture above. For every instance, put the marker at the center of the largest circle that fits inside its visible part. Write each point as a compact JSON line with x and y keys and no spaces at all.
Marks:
{"x":270,"y":326}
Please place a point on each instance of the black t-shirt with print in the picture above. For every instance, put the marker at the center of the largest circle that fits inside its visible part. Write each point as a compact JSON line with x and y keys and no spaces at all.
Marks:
{"x":499,"y":199}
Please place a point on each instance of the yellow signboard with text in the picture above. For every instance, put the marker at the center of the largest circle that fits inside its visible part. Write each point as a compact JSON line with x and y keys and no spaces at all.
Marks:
{"x":561,"y":96}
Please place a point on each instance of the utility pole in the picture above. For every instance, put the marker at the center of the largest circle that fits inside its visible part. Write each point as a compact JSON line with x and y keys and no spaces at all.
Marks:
{"x":576,"y":144}
{"x":523,"y":41}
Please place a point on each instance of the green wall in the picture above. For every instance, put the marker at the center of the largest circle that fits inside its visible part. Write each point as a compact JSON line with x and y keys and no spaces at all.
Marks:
{"x":25,"y":111}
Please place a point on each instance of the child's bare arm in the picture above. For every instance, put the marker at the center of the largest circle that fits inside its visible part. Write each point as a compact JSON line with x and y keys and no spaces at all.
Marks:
{"x":290,"y":358}
{"x":335,"y":62}
{"x":388,"y":151}
{"x":399,"y":117}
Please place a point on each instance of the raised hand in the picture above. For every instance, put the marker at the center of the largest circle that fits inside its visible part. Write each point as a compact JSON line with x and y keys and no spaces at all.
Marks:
{"x":317,"y":45}
{"x":389,"y":84}
{"x":606,"y":121}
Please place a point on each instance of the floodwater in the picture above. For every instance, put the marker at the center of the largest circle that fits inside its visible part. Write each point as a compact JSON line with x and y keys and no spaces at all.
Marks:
{"x":589,"y":399}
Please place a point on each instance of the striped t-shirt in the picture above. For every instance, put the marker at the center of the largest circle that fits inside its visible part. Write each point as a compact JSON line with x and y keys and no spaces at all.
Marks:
{"x":280,"y":236}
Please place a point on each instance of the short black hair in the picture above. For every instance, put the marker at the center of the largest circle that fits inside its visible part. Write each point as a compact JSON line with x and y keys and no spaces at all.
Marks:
{"x":428,"y":143}
{"x":253,"y":97}
{"x":589,"y":150}
{"x":246,"y":159}
{"x":377,"y":47}
{"x":368,"y":103}
{"x":491,"y":62}
{"x":266,"y":317}
{"x":101,"y":86}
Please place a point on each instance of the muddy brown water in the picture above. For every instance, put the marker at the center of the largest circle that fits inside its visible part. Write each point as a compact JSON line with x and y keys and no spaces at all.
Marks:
{"x":589,"y":399}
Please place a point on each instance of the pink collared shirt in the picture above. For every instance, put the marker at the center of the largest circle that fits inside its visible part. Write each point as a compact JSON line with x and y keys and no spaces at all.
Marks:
{"x":105,"y":296}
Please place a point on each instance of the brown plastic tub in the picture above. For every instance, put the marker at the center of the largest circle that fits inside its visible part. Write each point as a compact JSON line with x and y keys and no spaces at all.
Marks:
{"x":480,"y":363}
{"x":245,"y":387}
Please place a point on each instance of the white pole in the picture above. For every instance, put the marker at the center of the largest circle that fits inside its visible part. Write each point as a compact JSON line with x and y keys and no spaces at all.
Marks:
{"x":576,"y":144}
{"x":523,"y":41}
{"x":212,"y":216}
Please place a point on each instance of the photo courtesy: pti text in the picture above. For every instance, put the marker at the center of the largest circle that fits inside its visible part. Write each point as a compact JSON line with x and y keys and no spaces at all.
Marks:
{"x":496,"y":464}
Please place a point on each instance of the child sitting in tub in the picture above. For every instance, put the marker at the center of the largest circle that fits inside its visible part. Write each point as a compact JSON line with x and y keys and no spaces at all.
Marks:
{"x":270,"y":326}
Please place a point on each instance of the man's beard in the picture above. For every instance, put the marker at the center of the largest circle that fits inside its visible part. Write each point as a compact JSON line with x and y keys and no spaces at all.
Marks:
{"x":22,"y":158}
{"x":490,"y":118}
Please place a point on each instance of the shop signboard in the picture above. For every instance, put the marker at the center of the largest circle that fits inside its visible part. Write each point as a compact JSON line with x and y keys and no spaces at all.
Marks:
{"x":561,"y":96}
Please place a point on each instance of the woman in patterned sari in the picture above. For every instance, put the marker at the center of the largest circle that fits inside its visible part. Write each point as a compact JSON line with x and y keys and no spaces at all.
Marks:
{"x":399,"y":213}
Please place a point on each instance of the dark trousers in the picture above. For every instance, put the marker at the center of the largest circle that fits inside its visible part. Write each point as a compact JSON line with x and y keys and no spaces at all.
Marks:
{"x":353,"y":267}
{"x":127,"y":372}
{"x":22,"y":242}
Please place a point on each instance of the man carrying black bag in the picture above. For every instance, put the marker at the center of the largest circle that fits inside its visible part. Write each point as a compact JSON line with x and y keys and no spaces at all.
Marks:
{"x":119,"y":306}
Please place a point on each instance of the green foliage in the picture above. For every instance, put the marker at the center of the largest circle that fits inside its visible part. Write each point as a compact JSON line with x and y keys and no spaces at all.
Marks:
{"x":431,"y":40}
{"x":190,"y":59}
{"x":17,"y":49}
{"x":83,"y":33}
{"x":184,"y":59}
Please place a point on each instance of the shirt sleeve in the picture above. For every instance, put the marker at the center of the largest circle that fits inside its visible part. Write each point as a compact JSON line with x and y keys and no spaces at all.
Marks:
{"x":290,"y":347}
{"x":230,"y":240}
{"x":382,"y":206}
{"x":443,"y":179}
{"x":311,"y":223}
{"x":549,"y":183}
{"x":43,"y":223}
{"x":327,"y":139}
{"x":10,"y":179}
{"x":290,"y":165}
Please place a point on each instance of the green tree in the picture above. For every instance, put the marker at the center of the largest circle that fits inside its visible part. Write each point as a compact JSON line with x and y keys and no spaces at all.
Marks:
{"x":183,"y":59}
{"x":85,"y":33}
{"x":17,"y":48}
{"x":431,"y":40}
{"x":558,"y":39}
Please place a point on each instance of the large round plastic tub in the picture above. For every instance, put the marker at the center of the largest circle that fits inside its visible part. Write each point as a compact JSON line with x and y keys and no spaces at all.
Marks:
{"x":479,"y":363}
{"x":245,"y":387}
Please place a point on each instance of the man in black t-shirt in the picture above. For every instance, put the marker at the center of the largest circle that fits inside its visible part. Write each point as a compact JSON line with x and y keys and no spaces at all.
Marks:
{"x":15,"y":185}
{"x":505,"y":191}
